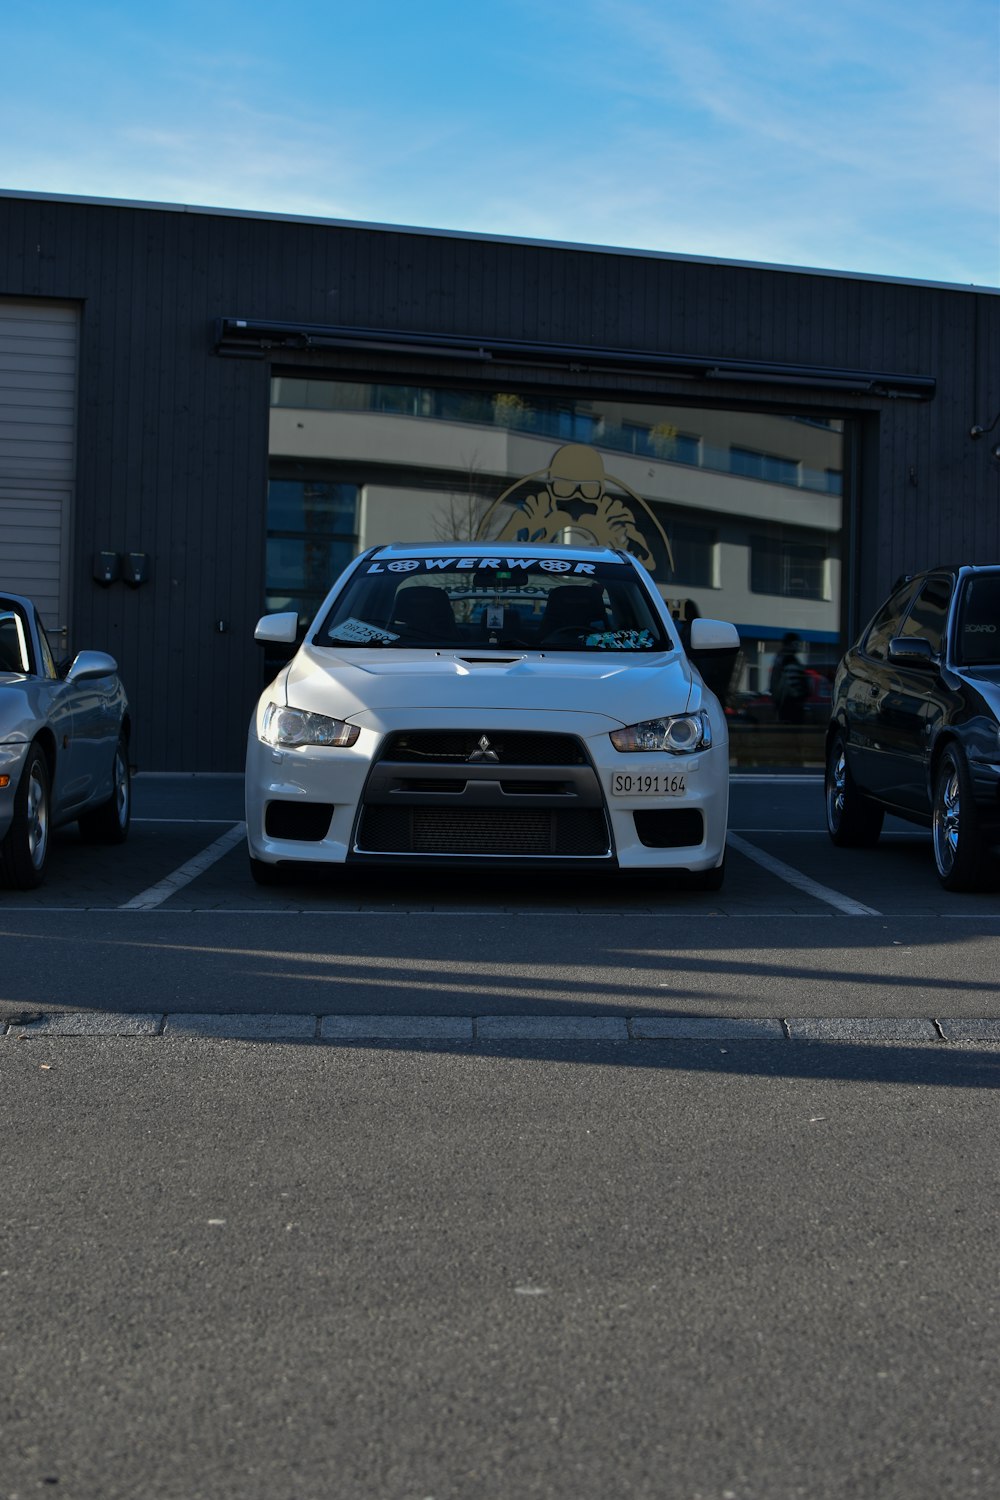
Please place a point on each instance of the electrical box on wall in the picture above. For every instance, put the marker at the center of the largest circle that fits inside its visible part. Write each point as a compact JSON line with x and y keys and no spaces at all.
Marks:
{"x":136,"y":568}
{"x":107,"y":567}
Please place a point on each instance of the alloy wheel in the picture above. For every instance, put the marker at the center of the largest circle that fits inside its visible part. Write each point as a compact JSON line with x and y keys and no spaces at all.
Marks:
{"x":37,"y":813}
{"x":122,"y":789}
{"x":835,"y":786}
{"x":947,"y":821}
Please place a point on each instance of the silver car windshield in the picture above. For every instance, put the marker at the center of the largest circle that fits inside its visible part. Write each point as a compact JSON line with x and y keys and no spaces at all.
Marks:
{"x":453,"y":603}
{"x":13,"y":642}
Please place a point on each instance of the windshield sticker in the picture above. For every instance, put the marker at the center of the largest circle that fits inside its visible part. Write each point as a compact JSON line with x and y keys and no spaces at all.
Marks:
{"x":622,"y":640}
{"x":474,"y":564}
{"x":359,"y":631}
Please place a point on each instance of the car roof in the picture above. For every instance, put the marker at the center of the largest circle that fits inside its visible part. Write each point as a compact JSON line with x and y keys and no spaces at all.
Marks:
{"x":953,"y":569}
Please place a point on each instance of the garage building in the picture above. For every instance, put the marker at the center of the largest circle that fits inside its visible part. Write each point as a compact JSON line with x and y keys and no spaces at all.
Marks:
{"x":205,"y":413}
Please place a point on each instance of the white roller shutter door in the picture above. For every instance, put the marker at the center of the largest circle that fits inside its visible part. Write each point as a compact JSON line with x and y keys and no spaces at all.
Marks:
{"x":38,"y":382}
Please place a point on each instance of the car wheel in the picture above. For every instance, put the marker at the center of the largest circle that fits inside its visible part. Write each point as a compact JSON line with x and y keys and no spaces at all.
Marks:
{"x":25,"y":849}
{"x":852,"y":820}
{"x":958,"y":842}
{"x":708,"y":880}
{"x":109,"y":823}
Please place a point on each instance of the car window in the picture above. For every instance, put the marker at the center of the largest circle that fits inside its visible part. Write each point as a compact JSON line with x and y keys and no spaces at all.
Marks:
{"x":928,"y":614}
{"x":47,"y":665}
{"x":885,"y":625}
{"x":977,"y":639}
{"x":454,"y":603}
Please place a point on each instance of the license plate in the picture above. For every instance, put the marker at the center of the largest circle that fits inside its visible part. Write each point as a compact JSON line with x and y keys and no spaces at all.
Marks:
{"x":648,"y":784}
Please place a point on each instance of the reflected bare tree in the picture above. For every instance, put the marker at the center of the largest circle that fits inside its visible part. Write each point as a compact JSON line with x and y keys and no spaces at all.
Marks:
{"x":460,"y":514}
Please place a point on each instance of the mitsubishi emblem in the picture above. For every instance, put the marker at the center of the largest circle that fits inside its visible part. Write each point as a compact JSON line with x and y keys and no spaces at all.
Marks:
{"x":484,"y":751}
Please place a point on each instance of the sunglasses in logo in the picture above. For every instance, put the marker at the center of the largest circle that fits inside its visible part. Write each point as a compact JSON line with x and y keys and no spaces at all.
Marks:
{"x":590,"y":489}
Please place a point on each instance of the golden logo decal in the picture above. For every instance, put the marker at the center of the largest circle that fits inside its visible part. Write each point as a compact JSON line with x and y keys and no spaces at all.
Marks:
{"x":574,"y":501}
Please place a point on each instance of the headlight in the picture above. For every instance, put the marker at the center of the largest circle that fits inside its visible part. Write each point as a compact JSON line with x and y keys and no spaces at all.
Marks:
{"x":682,"y":734}
{"x":287,"y":727}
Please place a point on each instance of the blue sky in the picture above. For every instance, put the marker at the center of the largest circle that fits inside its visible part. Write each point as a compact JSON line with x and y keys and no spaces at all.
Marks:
{"x":858,"y":135}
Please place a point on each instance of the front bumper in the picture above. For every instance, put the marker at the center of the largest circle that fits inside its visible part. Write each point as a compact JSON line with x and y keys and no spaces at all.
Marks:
{"x":12,"y":758}
{"x":357,"y":806}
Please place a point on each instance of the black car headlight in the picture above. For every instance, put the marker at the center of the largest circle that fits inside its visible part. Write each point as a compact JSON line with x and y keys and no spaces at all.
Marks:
{"x":680,"y":734}
{"x":286,"y":728}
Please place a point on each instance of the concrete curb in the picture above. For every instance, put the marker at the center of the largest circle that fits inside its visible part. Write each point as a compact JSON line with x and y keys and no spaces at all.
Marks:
{"x":185,"y":1025}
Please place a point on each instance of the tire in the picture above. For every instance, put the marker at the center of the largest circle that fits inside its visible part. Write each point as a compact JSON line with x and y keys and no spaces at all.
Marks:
{"x":24,"y":852}
{"x":852,"y":820}
{"x":707,"y":880}
{"x":109,"y":823}
{"x":957,"y":836}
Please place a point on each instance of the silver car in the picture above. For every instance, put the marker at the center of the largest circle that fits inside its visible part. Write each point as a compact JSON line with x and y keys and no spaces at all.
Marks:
{"x":64,"y":746}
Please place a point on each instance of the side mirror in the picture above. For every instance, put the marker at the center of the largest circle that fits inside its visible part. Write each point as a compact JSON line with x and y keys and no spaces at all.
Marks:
{"x":713,"y":648}
{"x":714,"y":635}
{"x":278,"y":629}
{"x":911,"y":651}
{"x":88,"y":664}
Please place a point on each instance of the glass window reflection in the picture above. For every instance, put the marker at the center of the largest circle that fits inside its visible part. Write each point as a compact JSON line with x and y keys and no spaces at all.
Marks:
{"x":736,"y":513}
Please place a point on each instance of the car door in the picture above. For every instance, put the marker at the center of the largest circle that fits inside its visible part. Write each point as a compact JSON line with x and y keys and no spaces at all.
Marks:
{"x":866,"y":682}
{"x":88,"y":714}
{"x":916,"y":699}
{"x":48,"y":700}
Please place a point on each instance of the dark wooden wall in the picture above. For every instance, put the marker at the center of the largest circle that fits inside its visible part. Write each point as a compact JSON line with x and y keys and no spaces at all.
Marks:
{"x":173,"y":438}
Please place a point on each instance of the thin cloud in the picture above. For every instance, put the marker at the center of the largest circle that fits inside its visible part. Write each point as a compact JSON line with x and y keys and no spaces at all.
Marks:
{"x":858,"y":136}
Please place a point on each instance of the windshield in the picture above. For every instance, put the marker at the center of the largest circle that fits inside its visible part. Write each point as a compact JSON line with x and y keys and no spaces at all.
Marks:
{"x":977,"y":639}
{"x":13,"y":641}
{"x":495,"y":603}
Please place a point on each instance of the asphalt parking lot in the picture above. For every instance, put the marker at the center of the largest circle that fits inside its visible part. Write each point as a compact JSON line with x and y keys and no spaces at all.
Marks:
{"x":391,"y":1190}
{"x":172,"y":923}
{"x":186,"y":852}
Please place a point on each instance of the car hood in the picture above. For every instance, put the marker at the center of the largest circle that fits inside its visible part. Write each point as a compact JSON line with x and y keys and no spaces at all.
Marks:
{"x":344,"y":684}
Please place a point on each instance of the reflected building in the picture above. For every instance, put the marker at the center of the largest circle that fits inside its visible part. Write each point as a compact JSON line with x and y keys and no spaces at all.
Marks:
{"x":736,"y":514}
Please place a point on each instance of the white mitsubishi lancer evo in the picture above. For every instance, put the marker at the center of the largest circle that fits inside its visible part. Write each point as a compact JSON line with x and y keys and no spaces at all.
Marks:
{"x":479,"y":707}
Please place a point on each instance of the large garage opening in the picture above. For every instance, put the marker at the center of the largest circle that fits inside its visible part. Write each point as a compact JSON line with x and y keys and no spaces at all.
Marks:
{"x":737,"y":514}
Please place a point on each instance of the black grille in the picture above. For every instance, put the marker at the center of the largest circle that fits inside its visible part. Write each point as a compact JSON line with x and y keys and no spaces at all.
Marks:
{"x":580,"y":832}
{"x":516,"y":748}
{"x":671,"y":828}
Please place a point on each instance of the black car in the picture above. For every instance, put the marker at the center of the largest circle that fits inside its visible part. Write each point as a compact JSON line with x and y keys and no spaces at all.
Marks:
{"x":915,"y":727}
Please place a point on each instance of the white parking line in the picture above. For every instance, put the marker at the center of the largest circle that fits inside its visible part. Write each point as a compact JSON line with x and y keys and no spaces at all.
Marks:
{"x":164,"y":889}
{"x":887,"y":833}
{"x":775,"y":778}
{"x":197,"y":822}
{"x":791,"y":832}
{"x":801,"y":882}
